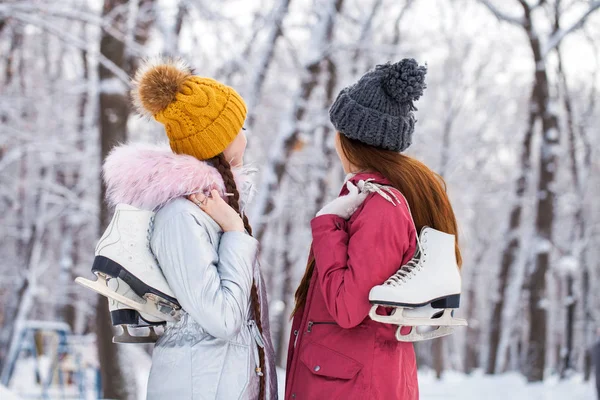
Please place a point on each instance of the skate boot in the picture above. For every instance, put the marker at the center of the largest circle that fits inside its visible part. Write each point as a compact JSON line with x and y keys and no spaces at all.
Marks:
{"x":127,"y":271}
{"x":424,"y":291}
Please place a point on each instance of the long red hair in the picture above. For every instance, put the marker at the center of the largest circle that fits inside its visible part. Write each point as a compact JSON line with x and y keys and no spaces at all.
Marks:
{"x":424,"y":190}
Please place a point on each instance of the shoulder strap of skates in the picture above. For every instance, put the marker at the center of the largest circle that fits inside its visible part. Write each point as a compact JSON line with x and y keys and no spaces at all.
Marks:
{"x":388,"y":192}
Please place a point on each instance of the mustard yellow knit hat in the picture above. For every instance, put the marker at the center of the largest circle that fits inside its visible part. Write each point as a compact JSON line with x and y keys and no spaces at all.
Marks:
{"x":201,"y":116}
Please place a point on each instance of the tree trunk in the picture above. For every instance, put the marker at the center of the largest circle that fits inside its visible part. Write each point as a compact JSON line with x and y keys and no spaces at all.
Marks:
{"x":114,"y":112}
{"x":66,"y":176}
{"x":437,"y":345}
{"x":567,"y":351}
{"x":33,"y":266}
{"x":577,"y":236}
{"x":536,"y":351}
{"x":285,"y":143}
{"x":16,"y":44}
{"x":587,"y":317}
{"x":12,"y":308}
{"x":327,"y":150}
{"x":512,"y":248}
{"x":259,"y":72}
{"x":363,"y":38}
{"x":171,"y":33}
{"x":288,"y":264}
{"x":473,"y":334}
{"x":397,"y":23}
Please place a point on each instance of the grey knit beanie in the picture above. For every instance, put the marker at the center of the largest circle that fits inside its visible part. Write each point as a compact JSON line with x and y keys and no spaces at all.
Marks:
{"x":378,"y":109}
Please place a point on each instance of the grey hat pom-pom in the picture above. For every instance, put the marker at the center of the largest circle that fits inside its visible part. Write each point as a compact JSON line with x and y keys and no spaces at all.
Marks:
{"x":404,"y":81}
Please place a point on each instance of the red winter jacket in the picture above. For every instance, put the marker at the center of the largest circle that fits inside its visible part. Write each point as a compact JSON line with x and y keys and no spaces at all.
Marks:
{"x":339,"y":352}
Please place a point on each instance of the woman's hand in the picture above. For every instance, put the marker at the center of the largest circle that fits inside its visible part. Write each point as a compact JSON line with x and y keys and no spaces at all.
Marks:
{"x":219,"y":210}
{"x":345,"y":206}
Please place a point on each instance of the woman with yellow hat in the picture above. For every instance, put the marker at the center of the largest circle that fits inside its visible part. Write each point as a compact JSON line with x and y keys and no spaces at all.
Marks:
{"x":221,"y":346}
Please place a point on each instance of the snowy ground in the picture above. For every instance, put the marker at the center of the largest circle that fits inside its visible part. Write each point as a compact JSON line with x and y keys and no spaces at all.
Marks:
{"x":453,"y":386}
{"x":457,"y":386}
{"x":5,"y":394}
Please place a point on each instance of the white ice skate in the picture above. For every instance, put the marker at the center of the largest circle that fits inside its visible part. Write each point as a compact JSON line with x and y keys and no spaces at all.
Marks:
{"x":128,"y":273}
{"x":426,"y":289}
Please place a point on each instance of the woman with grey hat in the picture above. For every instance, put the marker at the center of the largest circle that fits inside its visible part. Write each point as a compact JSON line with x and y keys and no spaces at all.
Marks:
{"x":361,"y":239}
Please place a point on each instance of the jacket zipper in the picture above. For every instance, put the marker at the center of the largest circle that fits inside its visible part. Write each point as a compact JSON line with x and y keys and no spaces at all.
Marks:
{"x":311,"y":323}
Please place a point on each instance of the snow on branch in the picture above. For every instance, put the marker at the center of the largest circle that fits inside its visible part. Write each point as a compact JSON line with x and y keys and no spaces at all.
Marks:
{"x":264,"y":60}
{"x":77,"y":43}
{"x":538,"y":4}
{"x":89,"y":18}
{"x":501,"y":15}
{"x":559,"y":35}
{"x":319,"y":45}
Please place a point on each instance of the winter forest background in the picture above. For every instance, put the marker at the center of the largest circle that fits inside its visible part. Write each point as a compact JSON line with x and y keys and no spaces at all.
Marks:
{"x":510,"y":120}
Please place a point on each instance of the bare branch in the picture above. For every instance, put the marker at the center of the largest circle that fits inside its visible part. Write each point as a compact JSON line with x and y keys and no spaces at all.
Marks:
{"x":525,"y":5}
{"x":259,"y":74}
{"x":69,"y":14}
{"x":501,"y":15}
{"x":77,"y":43}
{"x":396,"y":37}
{"x":559,"y":35}
{"x":538,"y":4}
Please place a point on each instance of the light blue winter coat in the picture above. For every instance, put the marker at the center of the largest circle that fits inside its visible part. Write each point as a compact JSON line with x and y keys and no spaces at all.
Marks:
{"x":212,"y":351}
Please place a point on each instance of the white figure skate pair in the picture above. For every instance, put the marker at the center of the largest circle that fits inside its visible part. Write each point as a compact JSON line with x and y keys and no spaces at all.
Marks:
{"x":130,"y":277}
{"x":426,"y":290}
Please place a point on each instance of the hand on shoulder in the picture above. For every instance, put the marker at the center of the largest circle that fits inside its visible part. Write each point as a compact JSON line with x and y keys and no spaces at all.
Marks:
{"x":345,"y":206}
{"x":223,"y":214}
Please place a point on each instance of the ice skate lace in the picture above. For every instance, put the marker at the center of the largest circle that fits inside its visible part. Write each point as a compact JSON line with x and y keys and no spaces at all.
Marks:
{"x":407,"y":271}
{"x":403,"y":273}
{"x":416,"y":263}
{"x":368,"y":186}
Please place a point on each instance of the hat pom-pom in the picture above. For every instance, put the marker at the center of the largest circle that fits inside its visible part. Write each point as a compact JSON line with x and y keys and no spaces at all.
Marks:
{"x":404,"y":81}
{"x":157,"y":83}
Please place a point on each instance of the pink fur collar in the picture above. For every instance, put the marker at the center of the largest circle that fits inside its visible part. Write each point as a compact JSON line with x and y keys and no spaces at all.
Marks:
{"x":148,"y":176}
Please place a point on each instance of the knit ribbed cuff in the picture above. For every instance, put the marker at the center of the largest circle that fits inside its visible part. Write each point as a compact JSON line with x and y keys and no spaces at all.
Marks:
{"x":370,"y":126}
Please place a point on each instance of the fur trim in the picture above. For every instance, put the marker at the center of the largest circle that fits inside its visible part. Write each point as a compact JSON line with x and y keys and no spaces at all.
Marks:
{"x":156,"y":84}
{"x":148,"y":176}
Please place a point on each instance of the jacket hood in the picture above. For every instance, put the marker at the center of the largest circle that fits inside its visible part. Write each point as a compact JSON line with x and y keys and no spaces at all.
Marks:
{"x":148,"y":176}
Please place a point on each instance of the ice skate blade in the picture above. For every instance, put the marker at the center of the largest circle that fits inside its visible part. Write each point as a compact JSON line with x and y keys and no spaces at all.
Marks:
{"x":125,"y":337}
{"x":100,"y":286}
{"x":109,"y":268}
{"x":415,"y":336}
{"x":398,"y":318}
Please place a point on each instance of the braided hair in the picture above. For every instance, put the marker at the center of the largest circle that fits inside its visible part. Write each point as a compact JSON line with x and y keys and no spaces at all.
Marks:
{"x":224,"y":168}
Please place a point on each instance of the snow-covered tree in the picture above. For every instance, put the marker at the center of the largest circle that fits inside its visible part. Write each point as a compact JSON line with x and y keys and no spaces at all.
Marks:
{"x":508,"y":119}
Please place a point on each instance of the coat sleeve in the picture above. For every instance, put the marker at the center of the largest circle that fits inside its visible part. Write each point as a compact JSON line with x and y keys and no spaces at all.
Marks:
{"x":212,"y":287}
{"x":352,"y":258}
